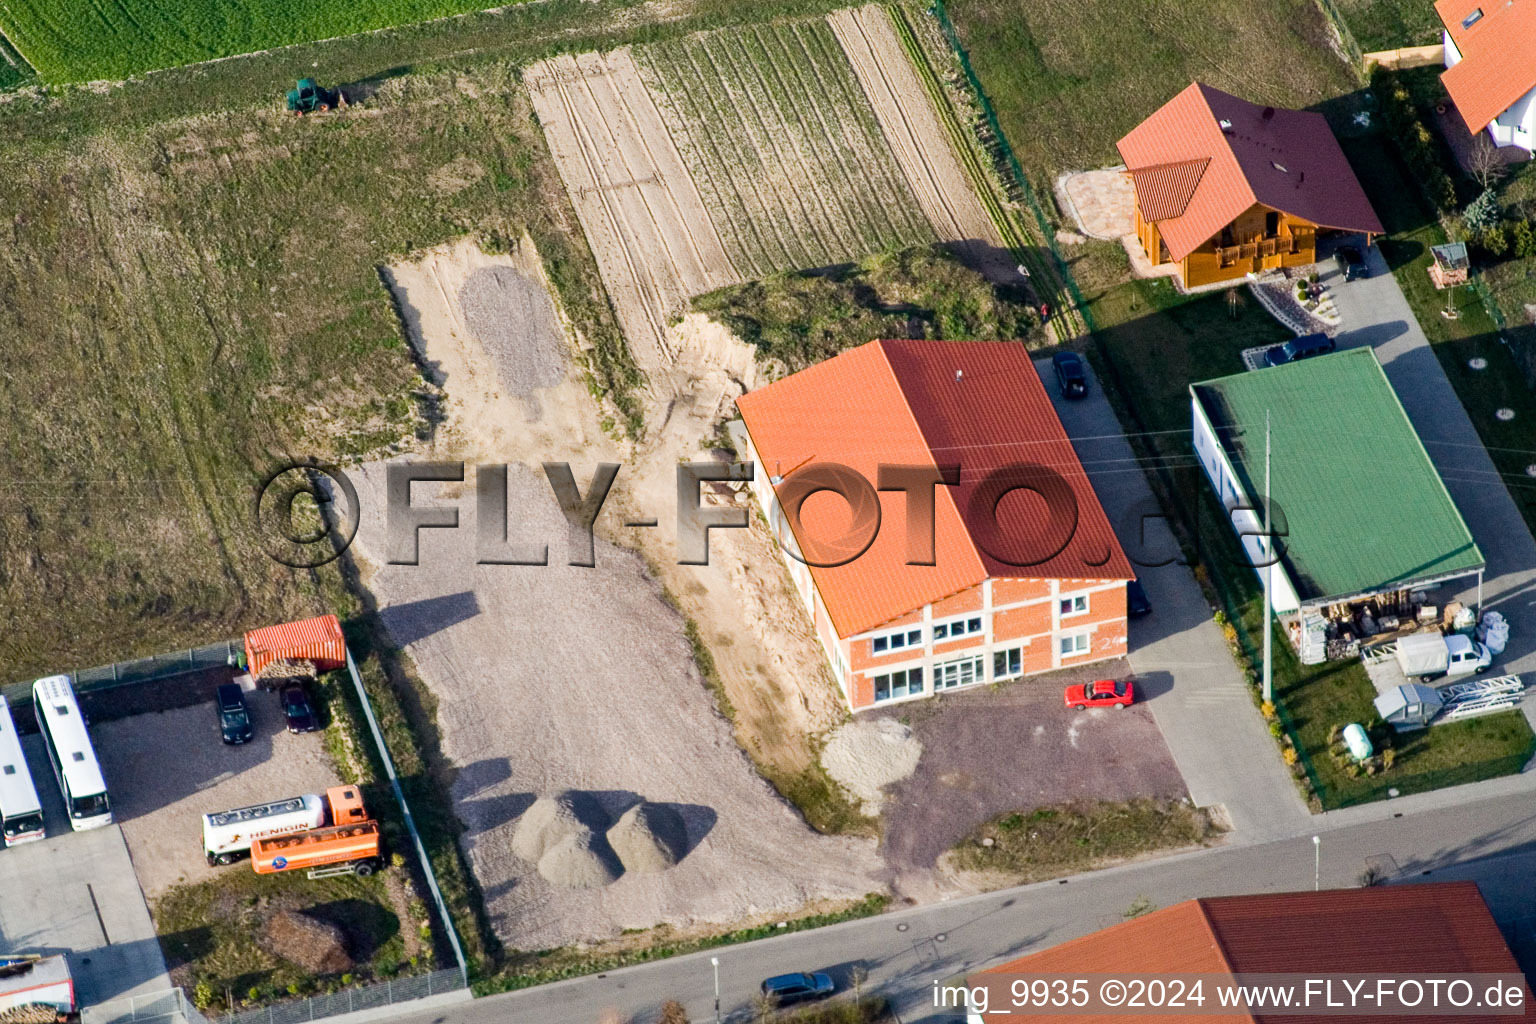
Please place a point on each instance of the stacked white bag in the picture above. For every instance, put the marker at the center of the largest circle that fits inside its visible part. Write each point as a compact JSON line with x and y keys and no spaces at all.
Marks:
{"x":1494,"y":632}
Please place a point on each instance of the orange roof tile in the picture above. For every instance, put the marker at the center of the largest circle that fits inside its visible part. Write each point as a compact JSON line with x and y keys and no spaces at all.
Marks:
{"x":899,"y":403}
{"x":1287,"y":160}
{"x":1442,"y":927}
{"x":1498,"y":56}
{"x":1165,"y":190}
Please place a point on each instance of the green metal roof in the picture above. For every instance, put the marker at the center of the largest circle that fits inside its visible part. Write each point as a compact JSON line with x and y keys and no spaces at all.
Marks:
{"x":1364,"y":506}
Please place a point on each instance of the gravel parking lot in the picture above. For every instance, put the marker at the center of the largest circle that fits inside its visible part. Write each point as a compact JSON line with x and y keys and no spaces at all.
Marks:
{"x":168,"y":768}
{"x":989,"y":752}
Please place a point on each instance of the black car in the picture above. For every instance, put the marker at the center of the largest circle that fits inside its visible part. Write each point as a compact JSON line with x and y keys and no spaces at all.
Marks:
{"x":785,"y":989}
{"x":1304,"y":347}
{"x":1351,"y":262}
{"x":297,"y":709}
{"x":234,"y":717}
{"x":1136,"y":603}
{"x":1071,"y":375}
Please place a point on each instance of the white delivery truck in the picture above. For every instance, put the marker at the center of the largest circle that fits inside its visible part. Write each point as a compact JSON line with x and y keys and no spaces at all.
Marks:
{"x":38,"y":984}
{"x":1430,"y":655}
{"x":228,"y":834}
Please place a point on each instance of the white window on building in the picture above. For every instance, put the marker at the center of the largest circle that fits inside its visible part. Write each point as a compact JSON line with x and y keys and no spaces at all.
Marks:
{"x":907,"y":683}
{"x":900,"y":640}
{"x":1007,"y":664}
{"x":1077,"y":604}
{"x":950,"y":629}
{"x":963,"y":672}
{"x":1077,"y":643}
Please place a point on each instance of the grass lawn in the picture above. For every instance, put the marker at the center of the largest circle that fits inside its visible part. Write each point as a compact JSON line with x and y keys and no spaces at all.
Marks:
{"x":1069,"y":77}
{"x":1390,"y":24}
{"x":1157,"y":342}
{"x":1052,"y":842}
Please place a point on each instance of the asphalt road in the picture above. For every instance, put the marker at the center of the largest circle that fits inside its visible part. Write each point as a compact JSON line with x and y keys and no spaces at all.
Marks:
{"x":1492,"y":841}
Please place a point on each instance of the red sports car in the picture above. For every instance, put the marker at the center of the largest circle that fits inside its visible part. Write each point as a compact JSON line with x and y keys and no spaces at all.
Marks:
{"x":1104,"y":693}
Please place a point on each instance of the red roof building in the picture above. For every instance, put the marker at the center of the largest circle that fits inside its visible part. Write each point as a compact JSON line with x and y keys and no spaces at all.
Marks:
{"x":1490,"y":66}
{"x":1225,"y":187}
{"x":1438,"y":928}
{"x":1024,"y":573}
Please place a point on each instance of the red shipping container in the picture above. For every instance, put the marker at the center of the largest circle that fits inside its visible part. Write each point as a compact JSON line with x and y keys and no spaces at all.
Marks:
{"x":318,"y":640}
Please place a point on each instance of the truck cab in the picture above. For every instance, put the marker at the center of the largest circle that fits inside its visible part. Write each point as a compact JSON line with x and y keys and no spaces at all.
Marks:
{"x":1464,"y":656}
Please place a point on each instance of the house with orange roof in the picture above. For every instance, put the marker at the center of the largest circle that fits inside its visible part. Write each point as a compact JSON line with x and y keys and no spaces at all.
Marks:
{"x":1439,"y":928}
{"x":1008,"y":568}
{"x":1225,"y":188}
{"x":1490,"y":67}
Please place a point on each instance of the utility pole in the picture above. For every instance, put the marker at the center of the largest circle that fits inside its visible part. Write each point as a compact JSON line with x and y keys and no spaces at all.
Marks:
{"x":1269,"y":571}
{"x":714,"y":962}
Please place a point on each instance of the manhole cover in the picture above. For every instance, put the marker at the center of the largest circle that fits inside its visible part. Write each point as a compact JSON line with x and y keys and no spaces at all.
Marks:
{"x":1506,"y":414}
{"x":1478,"y":363}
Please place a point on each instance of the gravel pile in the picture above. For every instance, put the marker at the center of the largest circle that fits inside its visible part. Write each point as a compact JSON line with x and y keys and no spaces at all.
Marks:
{"x":551,"y":820}
{"x":515,"y":320}
{"x":582,"y":860}
{"x":867,"y":755}
{"x":649,"y":838}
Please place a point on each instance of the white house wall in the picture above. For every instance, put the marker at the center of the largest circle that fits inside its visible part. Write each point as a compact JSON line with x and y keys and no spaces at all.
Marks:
{"x":1225,"y":481}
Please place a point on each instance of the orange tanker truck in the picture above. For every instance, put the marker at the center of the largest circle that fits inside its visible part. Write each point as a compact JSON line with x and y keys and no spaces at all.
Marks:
{"x":349,"y":844}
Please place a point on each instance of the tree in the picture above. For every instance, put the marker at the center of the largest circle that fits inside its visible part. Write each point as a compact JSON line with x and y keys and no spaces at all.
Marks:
{"x":1523,"y":239}
{"x":1483,"y":212}
{"x":672,"y":1012}
{"x":1484,"y":162}
{"x":1493,"y":241}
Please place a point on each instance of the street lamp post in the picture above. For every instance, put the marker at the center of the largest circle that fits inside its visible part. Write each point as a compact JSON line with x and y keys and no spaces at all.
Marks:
{"x":714,"y":962}
{"x":1317,"y":863}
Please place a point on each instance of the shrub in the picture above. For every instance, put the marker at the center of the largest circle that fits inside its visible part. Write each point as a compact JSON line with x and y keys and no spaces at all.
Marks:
{"x":1493,"y":241}
{"x":1482,"y":213}
{"x":1275,"y":730}
{"x":1288,"y":755}
{"x":202,"y":995}
{"x":672,"y":1012}
{"x":1267,"y":709}
{"x":1387,"y":757}
{"x":1522,"y":239}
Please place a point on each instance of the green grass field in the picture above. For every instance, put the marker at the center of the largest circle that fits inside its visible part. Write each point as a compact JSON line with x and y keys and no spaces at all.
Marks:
{"x":107,"y":39}
{"x":1390,"y":24}
{"x":779,"y":136}
{"x":1069,"y":77}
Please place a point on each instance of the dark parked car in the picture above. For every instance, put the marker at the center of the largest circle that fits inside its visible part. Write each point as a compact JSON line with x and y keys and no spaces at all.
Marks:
{"x":297,"y":709}
{"x":797,"y":988}
{"x":1071,"y":375}
{"x":1351,"y":262}
{"x":1136,"y":603}
{"x":234,"y":717}
{"x":1304,"y":347}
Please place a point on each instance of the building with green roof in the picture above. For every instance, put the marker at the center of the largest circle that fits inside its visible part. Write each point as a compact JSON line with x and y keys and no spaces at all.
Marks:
{"x":1360,"y":511}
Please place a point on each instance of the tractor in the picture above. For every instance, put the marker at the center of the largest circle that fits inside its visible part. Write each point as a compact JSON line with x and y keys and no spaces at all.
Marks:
{"x":307,"y":97}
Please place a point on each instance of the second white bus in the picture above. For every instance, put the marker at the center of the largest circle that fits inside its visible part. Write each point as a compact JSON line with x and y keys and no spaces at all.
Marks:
{"x":69,"y":749}
{"x":21,"y":812}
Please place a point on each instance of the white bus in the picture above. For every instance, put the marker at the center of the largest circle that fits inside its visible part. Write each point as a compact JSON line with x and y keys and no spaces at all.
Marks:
{"x":69,"y":748}
{"x":21,"y":812}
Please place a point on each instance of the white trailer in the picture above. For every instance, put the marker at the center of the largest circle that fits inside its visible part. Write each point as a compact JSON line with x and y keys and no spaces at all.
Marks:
{"x":36,"y":980}
{"x":228,"y":834}
{"x":1430,"y":655}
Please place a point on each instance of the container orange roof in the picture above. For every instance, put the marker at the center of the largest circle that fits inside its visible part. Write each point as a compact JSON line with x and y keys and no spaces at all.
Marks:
{"x":980,"y":405}
{"x":1497,"y":42}
{"x":1206,"y":156}
{"x":1442,"y":927}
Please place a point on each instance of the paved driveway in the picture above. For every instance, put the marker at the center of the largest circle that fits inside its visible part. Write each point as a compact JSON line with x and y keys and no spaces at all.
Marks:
{"x":1374,"y":312}
{"x":1179,"y":656}
{"x":76,"y":893}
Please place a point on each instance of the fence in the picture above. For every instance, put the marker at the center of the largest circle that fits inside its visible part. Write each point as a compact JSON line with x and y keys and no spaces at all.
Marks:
{"x":349,"y":1000}
{"x":1047,"y":234}
{"x":141,"y":670}
{"x":169,"y":1007}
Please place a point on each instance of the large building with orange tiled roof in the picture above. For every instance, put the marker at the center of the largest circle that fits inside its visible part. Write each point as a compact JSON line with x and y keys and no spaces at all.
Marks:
{"x":1225,"y":188}
{"x":1004,"y":580}
{"x":1490,"y":67}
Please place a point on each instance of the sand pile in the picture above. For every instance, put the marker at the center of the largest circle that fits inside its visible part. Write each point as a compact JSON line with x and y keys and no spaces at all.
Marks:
{"x":649,"y":838}
{"x":582,"y":860}
{"x":550,"y":820}
{"x":867,"y":755}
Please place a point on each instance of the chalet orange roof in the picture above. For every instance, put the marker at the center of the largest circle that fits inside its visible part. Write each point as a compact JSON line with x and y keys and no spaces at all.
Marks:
{"x":1438,"y":927}
{"x":1287,"y":160}
{"x":927,"y":403}
{"x":1498,"y":55}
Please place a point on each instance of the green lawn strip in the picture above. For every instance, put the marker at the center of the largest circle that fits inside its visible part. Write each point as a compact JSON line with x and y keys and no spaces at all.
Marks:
{"x":1067,"y":839}
{"x":1155,"y":342}
{"x":1390,"y":24}
{"x":525,"y":970}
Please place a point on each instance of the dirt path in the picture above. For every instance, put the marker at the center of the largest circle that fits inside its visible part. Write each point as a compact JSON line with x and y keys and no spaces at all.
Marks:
{"x":641,"y":212}
{"x":918,"y":140}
